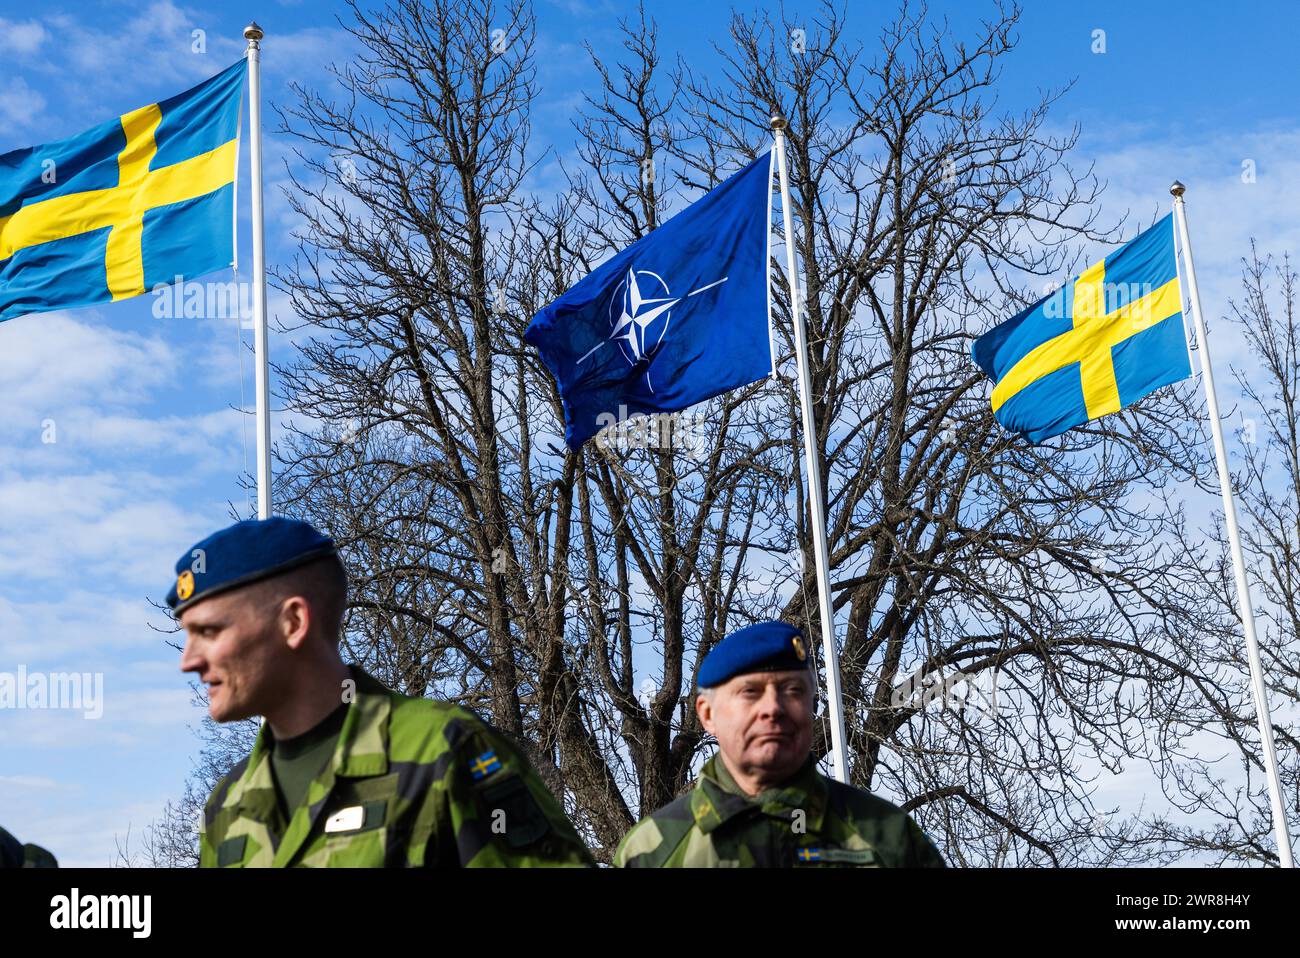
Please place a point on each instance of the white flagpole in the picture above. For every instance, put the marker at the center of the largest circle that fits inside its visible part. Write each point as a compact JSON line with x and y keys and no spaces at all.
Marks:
{"x":812,"y":464}
{"x":253,"y":34}
{"x":1234,"y":542}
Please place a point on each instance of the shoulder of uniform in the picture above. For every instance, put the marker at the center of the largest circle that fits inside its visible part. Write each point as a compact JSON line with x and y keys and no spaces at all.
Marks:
{"x":651,"y":842}
{"x":417,"y":708}
{"x":412,"y":709}
{"x":860,"y":802}
{"x":454,"y":721}
{"x":859,"y":805}
{"x":423,"y":729}
{"x":864,"y":811}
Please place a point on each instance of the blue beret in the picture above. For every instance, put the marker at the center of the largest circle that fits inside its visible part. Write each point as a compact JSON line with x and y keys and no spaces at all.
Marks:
{"x":244,"y":553}
{"x":762,"y":647}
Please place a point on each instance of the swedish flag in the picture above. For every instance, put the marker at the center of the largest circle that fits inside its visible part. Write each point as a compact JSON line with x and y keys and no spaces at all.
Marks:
{"x":1102,"y":342}
{"x":484,"y":765}
{"x":123,"y":207}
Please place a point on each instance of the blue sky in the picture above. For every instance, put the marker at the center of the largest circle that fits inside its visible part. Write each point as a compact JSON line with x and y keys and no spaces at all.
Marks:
{"x":149,"y":440}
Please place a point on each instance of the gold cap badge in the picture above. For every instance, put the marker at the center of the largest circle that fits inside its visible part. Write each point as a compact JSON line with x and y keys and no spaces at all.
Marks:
{"x":185,"y":587}
{"x":798,"y":648}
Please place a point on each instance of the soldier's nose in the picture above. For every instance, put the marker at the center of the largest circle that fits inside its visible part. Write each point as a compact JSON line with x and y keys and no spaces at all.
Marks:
{"x":191,"y":661}
{"x":771,"y":703}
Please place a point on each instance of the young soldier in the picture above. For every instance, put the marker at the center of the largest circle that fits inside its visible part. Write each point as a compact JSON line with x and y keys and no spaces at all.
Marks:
{"x":344,"y":772}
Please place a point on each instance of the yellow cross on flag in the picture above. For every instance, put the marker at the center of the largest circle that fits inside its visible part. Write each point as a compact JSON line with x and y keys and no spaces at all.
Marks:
{"x":125,"y":206}
{"x":1108,"y":339}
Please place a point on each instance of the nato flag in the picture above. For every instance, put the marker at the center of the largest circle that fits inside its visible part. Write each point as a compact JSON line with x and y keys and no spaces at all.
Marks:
{"x":678,"y":317}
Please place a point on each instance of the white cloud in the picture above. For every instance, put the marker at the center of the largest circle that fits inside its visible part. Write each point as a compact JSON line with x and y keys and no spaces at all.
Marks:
{"x":161,"y":35}
{"x":121,"y":528}
{"x":128,"y":722}
{"x":21,"y":38}
{"x":585,"y":11}
{"x":77,"y":398}
{"x":86,"y":630}
{"x":201,"y":438}
{"x":78,"y":832}
{"x":51,"y":360}
{"x":19,"y":103}
{"x":1223,"y":212}
{"x":27,"y":781}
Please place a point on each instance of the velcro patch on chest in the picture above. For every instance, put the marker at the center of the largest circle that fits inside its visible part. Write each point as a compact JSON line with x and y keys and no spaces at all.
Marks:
{"x":231,"y":851}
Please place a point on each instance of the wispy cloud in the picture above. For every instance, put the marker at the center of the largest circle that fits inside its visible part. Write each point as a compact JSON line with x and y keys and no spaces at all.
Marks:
{"x":1239,"y":187}
{"x":19,"y":103}
{"x":21,"y":38}
{"x":115,"y":528}
{"x":52,"y":359}
{"x":160,"y":49}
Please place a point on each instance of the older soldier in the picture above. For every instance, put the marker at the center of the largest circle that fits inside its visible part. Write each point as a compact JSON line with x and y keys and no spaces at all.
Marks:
{"x":344,"y":772}
{"x":760,"y":802}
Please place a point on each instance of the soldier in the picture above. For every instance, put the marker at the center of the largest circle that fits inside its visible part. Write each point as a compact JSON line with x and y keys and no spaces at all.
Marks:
{"x":14,"y":854}
{"x":760,"y":801}
{"x":344,"y":772}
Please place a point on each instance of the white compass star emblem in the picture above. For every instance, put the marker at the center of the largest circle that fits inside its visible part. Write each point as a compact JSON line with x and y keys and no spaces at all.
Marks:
{"x":638,"y":313}
{"x":640,"y":321}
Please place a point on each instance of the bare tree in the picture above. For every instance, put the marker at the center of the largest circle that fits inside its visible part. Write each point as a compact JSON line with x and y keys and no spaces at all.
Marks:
{"x":172,"y":839}
{"x":1267,"y":489}
{"x":953,"y":546}
{"x":459,"y":530}
{"x":571,"y":596}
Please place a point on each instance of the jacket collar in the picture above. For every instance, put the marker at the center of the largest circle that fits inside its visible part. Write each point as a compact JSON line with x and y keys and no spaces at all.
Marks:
{"x":717,"y":798}
{"x":361,"y":751}
{"x":362,"y":748}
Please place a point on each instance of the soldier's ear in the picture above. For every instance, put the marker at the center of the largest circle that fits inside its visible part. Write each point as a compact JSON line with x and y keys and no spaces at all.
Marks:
{"x":704,"y":709}
{"x":294,"y":620}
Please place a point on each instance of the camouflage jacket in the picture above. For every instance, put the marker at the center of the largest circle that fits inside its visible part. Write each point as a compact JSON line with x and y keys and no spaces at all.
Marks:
{"x":412,"y":782}
{"x":810,"y":821}
{"x":14,"y":854}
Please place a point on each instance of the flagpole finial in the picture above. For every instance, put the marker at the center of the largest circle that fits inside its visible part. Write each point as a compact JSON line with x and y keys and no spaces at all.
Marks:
{"x":253,"y":33}
{"x":779,"y":123}
{"x":1177,"y":189}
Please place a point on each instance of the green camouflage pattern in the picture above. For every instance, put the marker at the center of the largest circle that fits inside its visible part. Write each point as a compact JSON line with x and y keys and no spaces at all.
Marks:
{"x":14,"y":854}
{"x":412,"y":782}
{"x":810,"y":822}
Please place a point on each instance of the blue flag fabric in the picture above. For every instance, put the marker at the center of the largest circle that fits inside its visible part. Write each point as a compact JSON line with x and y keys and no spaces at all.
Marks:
{"x":1098,"y":344}
{"x":678,"y":317}
{"x":125,"y":206}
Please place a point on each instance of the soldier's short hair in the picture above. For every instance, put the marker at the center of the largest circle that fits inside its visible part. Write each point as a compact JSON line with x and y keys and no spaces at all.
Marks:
{"x":323,"y":583}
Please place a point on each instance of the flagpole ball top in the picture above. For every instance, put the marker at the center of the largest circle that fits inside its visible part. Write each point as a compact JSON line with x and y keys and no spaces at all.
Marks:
{"x":253,"y":32}
{"x":1177,"y":189}
{"x":779,"y":123}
